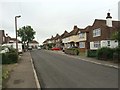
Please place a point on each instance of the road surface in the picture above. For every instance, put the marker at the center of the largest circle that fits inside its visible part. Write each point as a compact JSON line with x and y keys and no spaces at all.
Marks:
{"x":60,"y":71}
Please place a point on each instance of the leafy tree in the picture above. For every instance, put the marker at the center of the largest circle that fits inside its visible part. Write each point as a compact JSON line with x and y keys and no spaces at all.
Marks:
{"x":116,"y":36}
{"x":26,"y":33}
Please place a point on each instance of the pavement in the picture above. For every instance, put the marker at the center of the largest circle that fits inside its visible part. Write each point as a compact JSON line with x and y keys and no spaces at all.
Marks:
{"x":92,"y":60}
{"x":23,"y":76}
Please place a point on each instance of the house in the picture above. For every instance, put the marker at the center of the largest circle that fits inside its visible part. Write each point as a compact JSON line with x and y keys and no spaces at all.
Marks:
{"x":92,"y":37}
{"x":34,"y":44}
{"x":49,"y":43}
{"x":84,"y":39}
{"x":58,"y":42}
{"x":65,"y":40}
{"x":100,"y":34}
{"x":9,"y":42}
{"x":45,"y":44}
{"x":71,"y":39}
{"x":2,"y":37}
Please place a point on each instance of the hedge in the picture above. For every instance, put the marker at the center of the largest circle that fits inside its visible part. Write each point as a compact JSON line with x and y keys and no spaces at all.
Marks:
{"x":9,"y":57}
{"x":91,"y":53}
{"x":116,"y":54}
{"x":105,"y":53}
{"x":72,"y":51}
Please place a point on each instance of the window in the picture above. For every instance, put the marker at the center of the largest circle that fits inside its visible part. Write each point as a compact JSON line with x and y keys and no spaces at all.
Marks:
{"x":3,"y":39}
{"x":97,"y":32}
{"x":97,"y":44}
{"x":82,"y":44}
{"x":108,"y":43}
{"x":82,"y":35}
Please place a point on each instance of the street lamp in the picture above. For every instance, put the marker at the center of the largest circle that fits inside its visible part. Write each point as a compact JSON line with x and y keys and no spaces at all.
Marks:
{"x":16,"y":32}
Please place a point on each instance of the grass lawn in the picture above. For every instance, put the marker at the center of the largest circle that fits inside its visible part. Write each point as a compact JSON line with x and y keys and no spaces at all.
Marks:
{"x":6,"y":70}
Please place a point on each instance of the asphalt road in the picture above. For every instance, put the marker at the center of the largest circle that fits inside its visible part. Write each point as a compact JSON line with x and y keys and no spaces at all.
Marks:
{"x":60,"y":71}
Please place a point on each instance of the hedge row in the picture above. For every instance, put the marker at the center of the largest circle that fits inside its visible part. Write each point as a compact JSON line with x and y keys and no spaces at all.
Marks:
{"x":105,"y":53}
{"x":91,"y":53}
{"x":9,"y":57}
{"x":72,"y":51}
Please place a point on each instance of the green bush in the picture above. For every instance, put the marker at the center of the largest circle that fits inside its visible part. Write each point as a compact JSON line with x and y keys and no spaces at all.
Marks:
{"x":9,"y":57}
{"x":72,"y":51}
{"x":105,"y":53}
{"x":91,"y":53}
{"x":116,"y":54}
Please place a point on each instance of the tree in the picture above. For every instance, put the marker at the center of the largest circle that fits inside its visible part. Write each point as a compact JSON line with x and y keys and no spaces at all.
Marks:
{"x":116,"y":36}
{"x":26,"y":33}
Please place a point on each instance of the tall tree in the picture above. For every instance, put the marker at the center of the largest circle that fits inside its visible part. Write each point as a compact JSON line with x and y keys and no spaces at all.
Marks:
{"x":116,"y":36}
{"x":26,"y":33}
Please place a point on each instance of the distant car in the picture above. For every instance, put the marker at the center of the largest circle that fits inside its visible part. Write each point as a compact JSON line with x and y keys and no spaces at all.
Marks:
{"x":56,"y":48}
{"x":39,"y":48}
{"x":29,"y":48}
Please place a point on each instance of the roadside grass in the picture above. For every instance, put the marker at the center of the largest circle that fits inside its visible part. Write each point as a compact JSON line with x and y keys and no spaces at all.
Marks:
{"x":6,"y":70}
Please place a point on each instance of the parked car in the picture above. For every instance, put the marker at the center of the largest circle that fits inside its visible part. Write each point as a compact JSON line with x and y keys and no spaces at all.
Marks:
{"x":56,"y":48}
{"x":39,"y":48}
{"x":29,"y":48}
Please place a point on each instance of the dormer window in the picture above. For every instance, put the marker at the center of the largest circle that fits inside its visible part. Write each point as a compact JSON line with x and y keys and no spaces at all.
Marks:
{"x":96,"y":32}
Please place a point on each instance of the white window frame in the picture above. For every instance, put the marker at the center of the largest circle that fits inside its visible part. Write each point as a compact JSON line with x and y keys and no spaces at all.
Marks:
{"x":82,"y":44}
{"x":97,"y":44}
{"x":97,"y":32}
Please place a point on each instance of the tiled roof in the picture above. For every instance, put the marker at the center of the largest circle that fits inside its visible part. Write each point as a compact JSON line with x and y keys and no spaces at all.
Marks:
{"x":65,"y":35}
{"x":57,"y":36}
{"x":99,"y":23}
{"x":86,"y":29}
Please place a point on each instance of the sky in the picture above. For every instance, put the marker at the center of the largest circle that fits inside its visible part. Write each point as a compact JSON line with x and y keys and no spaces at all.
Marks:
{"x":49,"y":17}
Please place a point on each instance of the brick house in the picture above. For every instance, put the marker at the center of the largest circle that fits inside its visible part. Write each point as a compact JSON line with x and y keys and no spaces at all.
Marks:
{"x":100,"y":34}
{"x":2,"y":37}
{"x":84,"y":39}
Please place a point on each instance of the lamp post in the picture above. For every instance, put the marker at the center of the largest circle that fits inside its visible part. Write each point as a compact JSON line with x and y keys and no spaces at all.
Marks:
{"x":16,"y":32}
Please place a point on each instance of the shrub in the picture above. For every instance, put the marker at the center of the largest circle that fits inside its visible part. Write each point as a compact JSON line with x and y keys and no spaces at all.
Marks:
{"x":91,"y":53}
{"x":105,"y":53}
{"x":116,"y":54}
{"x":9,"y":57}
{"x":72,"y":51}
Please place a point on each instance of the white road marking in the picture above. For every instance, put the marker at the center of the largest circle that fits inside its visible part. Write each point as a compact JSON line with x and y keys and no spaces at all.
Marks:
{"x":36,"y":78}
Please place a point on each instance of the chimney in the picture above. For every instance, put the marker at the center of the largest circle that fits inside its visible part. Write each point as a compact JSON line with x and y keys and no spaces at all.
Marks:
{"x":109,"y":20}
{"x":52,"y":36}
{"x":75,"y":27}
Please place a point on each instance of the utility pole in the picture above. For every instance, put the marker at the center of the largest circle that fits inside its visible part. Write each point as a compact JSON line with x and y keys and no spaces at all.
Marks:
{"x":16,"y":32}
